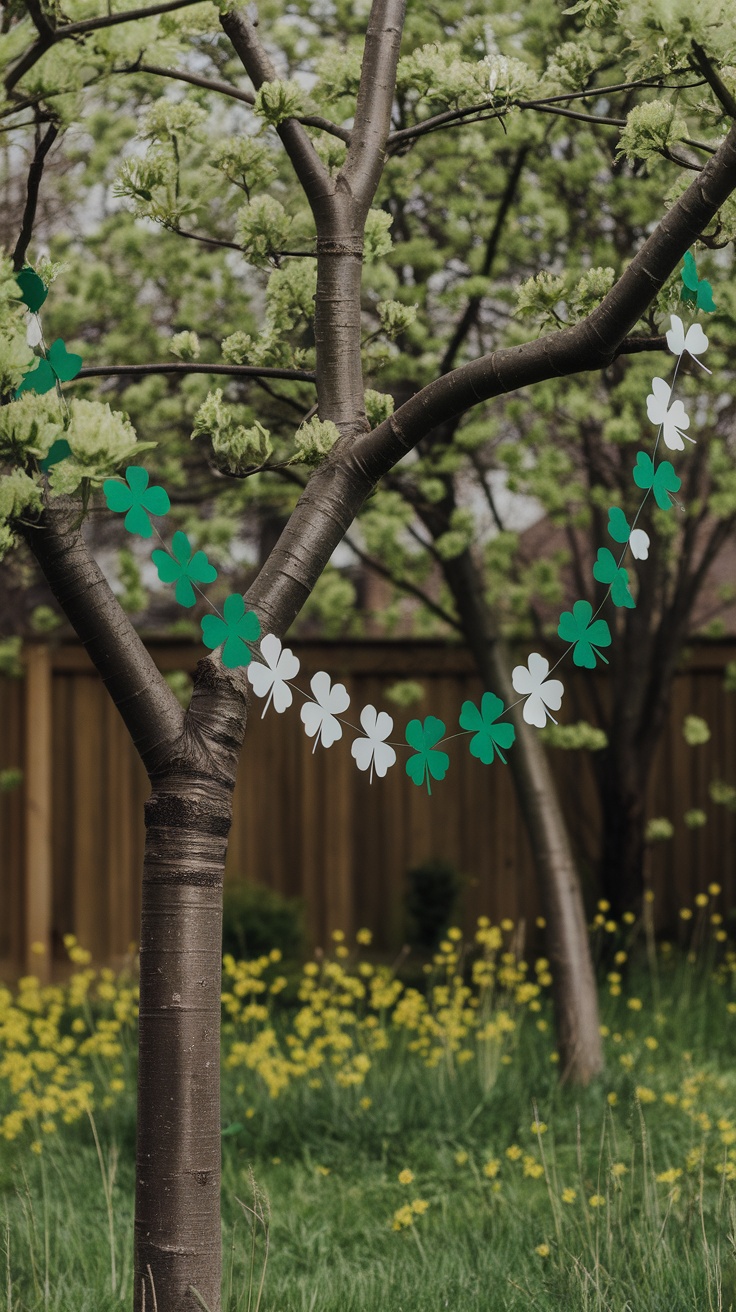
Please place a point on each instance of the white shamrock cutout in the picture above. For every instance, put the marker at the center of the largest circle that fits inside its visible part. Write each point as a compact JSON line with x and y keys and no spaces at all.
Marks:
{"x":34,"y":333}
{"x":673,"y":419}
{"x":270,"y":680}
{"x":694,"y":341}
{"x":319,"y":715}
{"x":529,"y":680}
{"x":639,"y":543}
{"x":372,"y":753}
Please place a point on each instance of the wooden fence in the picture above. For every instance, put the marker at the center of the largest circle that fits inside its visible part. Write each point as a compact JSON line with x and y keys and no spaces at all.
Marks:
{"x":311,"y":825}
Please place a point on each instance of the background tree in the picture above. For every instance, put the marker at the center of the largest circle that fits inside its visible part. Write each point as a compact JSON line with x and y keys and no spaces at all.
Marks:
{"x":191,"y":757}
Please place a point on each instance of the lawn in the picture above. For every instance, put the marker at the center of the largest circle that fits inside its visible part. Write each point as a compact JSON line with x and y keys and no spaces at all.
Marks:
{"x":403,"y":1148}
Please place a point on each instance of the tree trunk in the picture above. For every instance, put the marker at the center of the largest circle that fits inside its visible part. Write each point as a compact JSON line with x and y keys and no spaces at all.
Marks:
{"x":575,"y":992}
{"x":178,"y":1247}
{"x":622,"y":792}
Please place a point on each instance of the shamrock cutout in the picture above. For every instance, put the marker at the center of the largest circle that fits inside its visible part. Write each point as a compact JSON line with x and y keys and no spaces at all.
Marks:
{"x":575,"y":626}
{"x":489,"y":737}
{"x":32,"y":288}
{"x":696,"y":290}
{"x":606,"y":570}
{"x":59,"y":450}
{"x":618,"y":527}
{"x":183,"y":568}
{"x":694,"y":341}
{"x":270,"y":680}
{"x":59,"y":365}
{"x":428,"y":762}
{"x":663,"y":480}
{"x":137,"y":498}
{"x":671,"y":418}
{"x":237,"y":628}
{"x":531,"y":681}
{"x":319,"y":716}
{"x":372,"y":752}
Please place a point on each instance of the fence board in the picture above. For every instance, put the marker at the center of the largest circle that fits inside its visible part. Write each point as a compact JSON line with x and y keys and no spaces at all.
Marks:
{"x":312,"y":825}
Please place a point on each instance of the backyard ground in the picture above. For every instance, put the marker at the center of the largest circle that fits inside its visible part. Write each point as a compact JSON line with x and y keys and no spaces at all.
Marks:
{"x":402,"y":1148}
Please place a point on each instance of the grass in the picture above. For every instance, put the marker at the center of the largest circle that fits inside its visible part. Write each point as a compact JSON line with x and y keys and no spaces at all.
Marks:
{"x":424,"y":1183}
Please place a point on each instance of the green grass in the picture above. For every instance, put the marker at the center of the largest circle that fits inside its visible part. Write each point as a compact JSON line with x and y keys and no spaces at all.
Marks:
{"x":326,"y":1169}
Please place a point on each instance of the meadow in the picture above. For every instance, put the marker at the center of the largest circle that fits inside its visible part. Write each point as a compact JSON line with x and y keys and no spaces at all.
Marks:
{"x":399,"y":1142}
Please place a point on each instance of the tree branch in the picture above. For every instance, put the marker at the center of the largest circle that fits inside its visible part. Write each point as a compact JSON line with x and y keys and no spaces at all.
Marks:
{"x":365,"y":159}
{"x":336,"y":490}
{"x":715,"y":82}
{"x":51,"y":35}
{"x":35,"y":173}
{"x":153,"y":716}
{"x":307,"y":164}
{"x":403,"y":583}
{"x":187,"y":367}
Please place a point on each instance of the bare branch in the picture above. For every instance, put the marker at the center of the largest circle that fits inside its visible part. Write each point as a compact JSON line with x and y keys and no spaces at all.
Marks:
{"x":308,"y":166}
{"x":35,"y":173}
{"x":187,"y":367}
{"x":364,"y":164}
{"x":721,"y":92}
{"x":153,"y":716}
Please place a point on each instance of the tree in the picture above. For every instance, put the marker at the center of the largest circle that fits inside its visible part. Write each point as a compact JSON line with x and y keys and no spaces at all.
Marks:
{"x":191,"y":757}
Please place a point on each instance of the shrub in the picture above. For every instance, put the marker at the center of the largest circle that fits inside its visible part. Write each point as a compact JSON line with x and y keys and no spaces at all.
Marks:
{"x":256,"y":919}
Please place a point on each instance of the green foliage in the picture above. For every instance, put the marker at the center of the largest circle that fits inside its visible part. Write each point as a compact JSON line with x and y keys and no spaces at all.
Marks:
{"x":378,"y":241}
{"x":332,"y":604}
{"x":574,"y":737}
{"x":395,"y":317}
{"x":256,"y":920}
{"x":723,"y":794}
{"x":695,"y":818}
{"x":695,"y":730}
{"x":133,"y":597}
{"x":11,"y":664}
{"x":314,"y":440}
{"x":182,"y":687}
{"x":279,"y":100}
{"x":185,"y":346}
{"x":405,"y":693}
{"x":378,"y":406}
{"x":729,"y":678}
{"x":263,"y":228}
{"x":44,"y":619}
{"x":237,"y":446}
{"x":650,"y":129}
{"x":659,"y":830}
{"x":10,"y":779}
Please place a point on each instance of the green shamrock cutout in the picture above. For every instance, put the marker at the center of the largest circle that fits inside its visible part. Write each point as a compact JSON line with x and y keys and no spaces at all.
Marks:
{"x":696,"y":290}
{"x":489,"y":737}
{"x":59,"y":365}
{"x":183,"y":568}
{"x":663,"y":480}
{"x":428,"y":762}
{"x":137,"y":498}
{"x":606,"y":570}
{"x":618,"y":524}
{"x":59,"y":450}
{"x":237,"y":628}
{"x":33,"y":289}
{"x":575,"y":626}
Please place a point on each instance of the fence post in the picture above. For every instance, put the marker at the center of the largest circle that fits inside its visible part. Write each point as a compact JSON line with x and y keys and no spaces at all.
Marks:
{"x":37,"y":900}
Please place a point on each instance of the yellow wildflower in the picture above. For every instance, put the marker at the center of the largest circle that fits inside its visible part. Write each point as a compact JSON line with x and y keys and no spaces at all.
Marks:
{"x":406,"y":1176}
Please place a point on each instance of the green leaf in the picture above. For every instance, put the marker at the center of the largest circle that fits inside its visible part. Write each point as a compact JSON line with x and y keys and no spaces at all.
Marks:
{"x":576,"y":626}
{"x":490,"y":737}
{"x":663,"y":480}
{"x":606,"y":570}
{"x":428,"y":762}
{"x":33,"y":289}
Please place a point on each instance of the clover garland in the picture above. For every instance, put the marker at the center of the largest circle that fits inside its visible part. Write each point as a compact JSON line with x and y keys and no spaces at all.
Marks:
{"x":272,"y":675}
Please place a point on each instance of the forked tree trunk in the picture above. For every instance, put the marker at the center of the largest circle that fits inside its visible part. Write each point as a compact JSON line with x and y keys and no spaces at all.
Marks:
{"x":574,"y":987}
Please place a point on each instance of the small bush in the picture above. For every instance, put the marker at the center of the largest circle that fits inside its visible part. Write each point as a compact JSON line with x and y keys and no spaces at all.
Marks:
{"x":256,"y":919}
{"x":432,"y":892}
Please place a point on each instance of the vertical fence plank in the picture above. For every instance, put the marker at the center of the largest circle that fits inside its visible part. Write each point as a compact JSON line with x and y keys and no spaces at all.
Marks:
{"x":38,"y":803}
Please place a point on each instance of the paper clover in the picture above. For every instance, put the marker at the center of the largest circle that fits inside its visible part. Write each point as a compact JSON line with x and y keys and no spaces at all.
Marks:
{"x":694,"y":341}
{"x":618,"y":527}
{"x":270,"y":680}
{"x":140,"y":500}
{"x":59,"y":450}
{"x":319,"y":716}
{"x":672,"y":419}
{"x":59,"y":365}
{"x":238,"y":627}
{"x":429,"y":763}
{"x":32,"y":288}
{"x":606,"y":570}
{"x":531,"y":681}
{"x":490,"y":737}
{"x":696,"y":290}
{"x":183,"y":568}
{"x":578,"y":626}
{"x":372,"y":752}
{"x":663,"y":480}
